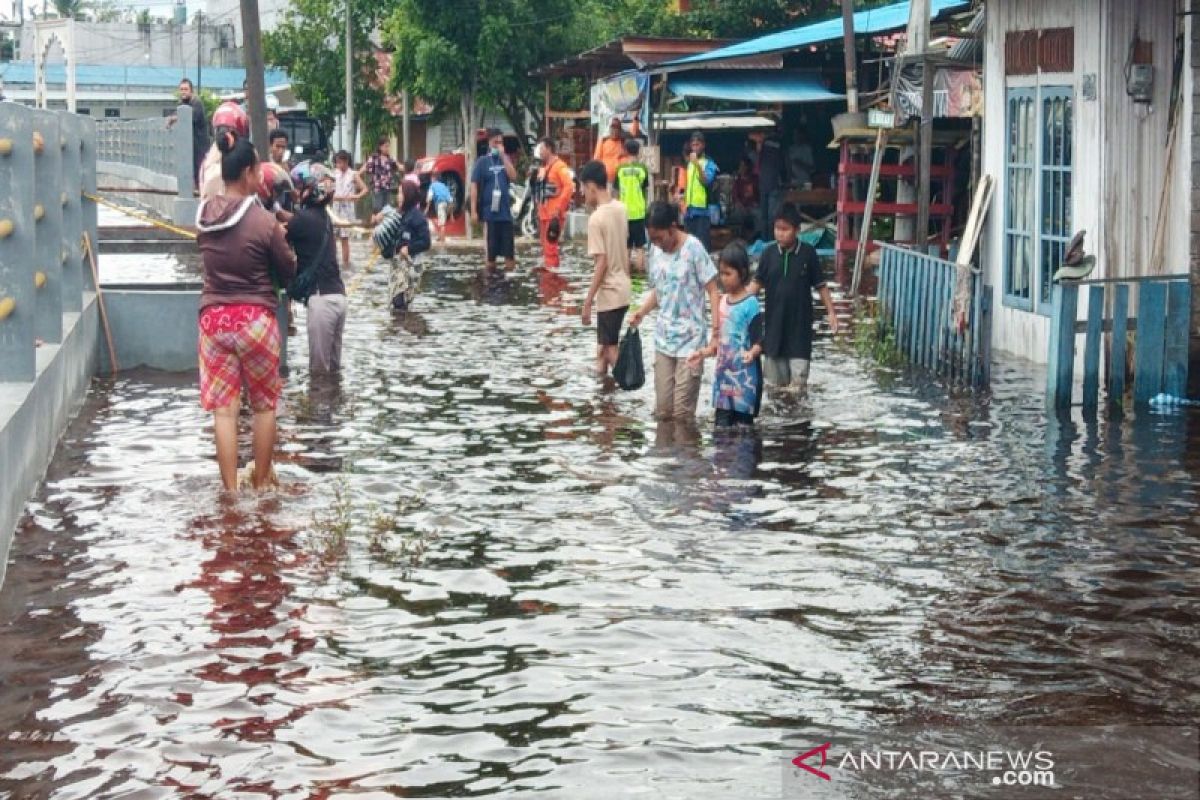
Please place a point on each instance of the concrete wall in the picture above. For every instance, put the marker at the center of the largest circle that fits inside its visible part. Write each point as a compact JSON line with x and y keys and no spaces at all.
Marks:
{"x":169,"y":206}
{"x":120,"y":43}
{"x":153,"y":326}
{"x":33,"y":416}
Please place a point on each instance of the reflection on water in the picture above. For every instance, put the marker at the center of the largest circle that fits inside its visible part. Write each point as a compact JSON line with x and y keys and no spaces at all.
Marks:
{"x":488,"y":574}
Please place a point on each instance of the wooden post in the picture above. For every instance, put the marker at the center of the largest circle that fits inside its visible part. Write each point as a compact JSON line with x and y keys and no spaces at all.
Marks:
{"x":1091,"y":348}
{"x":865,"y":234}
{"x":1175,"y":351}
{"x":851,"y":56}
{"x":256,"y":90}
{"x":1150,"y":341}
{"x":1116,"y":364}
{"x":925,"y":154}
{"x":1060,"y":375}
{"x":405,"y":125}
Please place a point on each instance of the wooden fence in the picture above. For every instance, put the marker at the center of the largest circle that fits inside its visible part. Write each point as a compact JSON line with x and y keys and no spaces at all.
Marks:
{"x":1160,"y":339}
{"x":916,"y":298}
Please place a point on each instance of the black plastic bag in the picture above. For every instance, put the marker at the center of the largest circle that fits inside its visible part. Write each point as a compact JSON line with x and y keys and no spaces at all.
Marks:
{"x":629,"y":371}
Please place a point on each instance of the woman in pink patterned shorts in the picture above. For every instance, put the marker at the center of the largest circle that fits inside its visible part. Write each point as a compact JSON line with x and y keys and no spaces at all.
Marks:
{"x":243,"y":252}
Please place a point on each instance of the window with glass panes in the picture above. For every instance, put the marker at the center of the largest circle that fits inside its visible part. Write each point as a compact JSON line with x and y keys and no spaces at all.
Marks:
{"x":1037,"y":214}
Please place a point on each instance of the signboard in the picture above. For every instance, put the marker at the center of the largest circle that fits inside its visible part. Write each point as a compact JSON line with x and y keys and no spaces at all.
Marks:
{"x":650,"y":157}
{"x":623,"y":96}
{"x":956,"y":92}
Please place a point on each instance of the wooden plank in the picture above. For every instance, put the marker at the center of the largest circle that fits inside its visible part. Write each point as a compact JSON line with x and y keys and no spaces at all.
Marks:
{"x":1148,"y":346}
{"x":1175,"y":350}
{"x":1091,"y":348}
{"x":905,"y":301}
{"x":1116,"y":364}
{"x":975,"y":332}
{"x":923,"y":295}
{"x":946,"y":336}
{"x":936,"y":348}
{"x":1060,"y":375}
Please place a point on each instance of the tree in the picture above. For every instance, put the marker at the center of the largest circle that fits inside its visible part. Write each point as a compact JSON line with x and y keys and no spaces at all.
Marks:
{"x":476,"y":54}
{"x":316,"y":62}
{"x":70,"y":8}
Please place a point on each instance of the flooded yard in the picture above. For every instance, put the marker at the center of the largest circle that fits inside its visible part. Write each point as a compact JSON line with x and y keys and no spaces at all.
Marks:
{"x":487,"y":575}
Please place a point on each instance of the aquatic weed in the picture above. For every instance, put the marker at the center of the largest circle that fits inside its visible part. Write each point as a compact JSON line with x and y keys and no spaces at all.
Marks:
{"x":331,"y":527}
{"x":873,"y":338}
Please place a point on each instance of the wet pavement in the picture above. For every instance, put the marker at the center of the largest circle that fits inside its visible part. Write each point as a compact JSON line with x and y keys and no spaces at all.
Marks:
{"x":486,"y":575}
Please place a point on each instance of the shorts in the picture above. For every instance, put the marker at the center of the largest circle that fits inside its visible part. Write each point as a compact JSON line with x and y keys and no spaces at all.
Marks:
{"x":637,"y":234}
{"x":443,"y":213}
{"x":608,"y":325}
{"x":239,"y":344}
{"x":500,"y":242}
{"x":346,"y":212}
{"x":792,"y":372}
{"x":728,"y":418}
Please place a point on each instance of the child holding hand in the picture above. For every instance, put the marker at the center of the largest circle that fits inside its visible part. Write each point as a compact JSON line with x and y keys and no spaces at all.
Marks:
{"x":737,"y":381}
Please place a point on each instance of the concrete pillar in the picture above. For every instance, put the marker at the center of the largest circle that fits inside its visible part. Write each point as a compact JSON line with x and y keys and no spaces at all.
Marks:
{"x":48,"y":230}
{"x":90,"y":214}
{"x":185,"y":200}
{"x":17,"y":304}
{"x":70,"y":127}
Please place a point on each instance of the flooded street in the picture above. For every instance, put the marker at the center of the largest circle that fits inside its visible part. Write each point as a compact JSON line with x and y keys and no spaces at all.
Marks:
{"x":486,"y":575}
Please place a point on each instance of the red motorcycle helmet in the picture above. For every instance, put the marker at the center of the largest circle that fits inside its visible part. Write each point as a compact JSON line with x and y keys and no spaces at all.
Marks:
{"x":231,"y":116}
{"x":274,"y":185}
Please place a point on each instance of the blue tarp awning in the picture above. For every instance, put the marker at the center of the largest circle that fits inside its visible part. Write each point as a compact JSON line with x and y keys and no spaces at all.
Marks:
{"x":869,"y":21}
{"x":752,"y":87}
{"x":215,"y":78}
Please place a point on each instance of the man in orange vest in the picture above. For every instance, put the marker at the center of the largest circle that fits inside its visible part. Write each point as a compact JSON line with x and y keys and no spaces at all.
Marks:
{"x":611,"y":149}
{"x":555,"y":186}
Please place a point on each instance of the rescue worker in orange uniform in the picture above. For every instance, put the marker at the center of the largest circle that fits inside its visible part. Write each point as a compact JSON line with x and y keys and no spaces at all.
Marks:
{"x":611,"y":149}
{"x":555,"y":187}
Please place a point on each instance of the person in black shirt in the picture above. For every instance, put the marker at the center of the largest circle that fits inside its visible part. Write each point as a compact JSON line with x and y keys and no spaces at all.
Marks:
{"x":310,"y":233}
{"x":790,"y":272}
{"x":187,"y":97}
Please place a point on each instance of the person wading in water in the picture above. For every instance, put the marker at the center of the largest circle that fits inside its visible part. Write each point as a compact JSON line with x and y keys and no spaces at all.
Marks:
{"x":243,"y":253}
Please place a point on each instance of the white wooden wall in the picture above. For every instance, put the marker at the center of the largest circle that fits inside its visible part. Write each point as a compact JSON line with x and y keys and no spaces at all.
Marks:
{"x":1119,"y":147}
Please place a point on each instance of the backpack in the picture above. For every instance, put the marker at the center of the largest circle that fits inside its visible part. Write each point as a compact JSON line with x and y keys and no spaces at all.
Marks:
{"x":305,"y":283}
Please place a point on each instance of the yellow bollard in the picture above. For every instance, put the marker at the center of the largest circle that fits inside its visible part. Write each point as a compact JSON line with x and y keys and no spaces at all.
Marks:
{"x":6,"y":228}
{"x":39,"y":211}
{"x":39,"y":143}
{"x":7,"y":305}
{"x":5,"y":147}
{"x":39,"y":279}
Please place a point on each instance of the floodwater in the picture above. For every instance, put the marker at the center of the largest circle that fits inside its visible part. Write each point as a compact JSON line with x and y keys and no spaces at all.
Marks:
{"x":488,"y":576}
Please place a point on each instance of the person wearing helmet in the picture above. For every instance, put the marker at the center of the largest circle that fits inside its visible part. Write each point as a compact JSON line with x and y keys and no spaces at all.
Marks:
{"x":318,"y":281}
{"x":229,"y":117}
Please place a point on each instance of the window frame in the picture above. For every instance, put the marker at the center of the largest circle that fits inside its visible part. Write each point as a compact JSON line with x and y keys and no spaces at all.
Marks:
{"x":1042,"y":166}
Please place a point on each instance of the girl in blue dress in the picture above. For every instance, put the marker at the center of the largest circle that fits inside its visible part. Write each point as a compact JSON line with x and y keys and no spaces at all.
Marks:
{"x":737,"y":382}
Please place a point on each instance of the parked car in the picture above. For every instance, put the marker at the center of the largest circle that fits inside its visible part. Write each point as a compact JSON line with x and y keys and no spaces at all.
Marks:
{"x":306,"y":137}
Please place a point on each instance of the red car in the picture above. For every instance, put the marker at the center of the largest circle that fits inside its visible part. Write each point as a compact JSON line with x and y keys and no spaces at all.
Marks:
{"x":453,"y":168}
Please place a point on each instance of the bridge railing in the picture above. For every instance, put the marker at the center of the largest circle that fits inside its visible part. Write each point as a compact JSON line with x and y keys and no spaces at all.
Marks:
{"x":47,"y":175}
{"x":152,"y":163}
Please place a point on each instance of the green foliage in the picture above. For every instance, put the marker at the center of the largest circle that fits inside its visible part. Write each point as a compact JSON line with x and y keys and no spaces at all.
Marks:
{"x":736,"y":19}
{"x":471,"y":54}
{"x":874,"y":339}
{"x":70,"y":8}
{"x":210,"y":100}
{"x":310,"y":44}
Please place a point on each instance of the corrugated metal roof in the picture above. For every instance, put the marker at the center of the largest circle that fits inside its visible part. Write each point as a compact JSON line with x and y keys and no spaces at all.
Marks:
{"x":970,"y":49}
{"x":870,"y":21}
{"x":216,"y":78}
{"x":752,"y":87}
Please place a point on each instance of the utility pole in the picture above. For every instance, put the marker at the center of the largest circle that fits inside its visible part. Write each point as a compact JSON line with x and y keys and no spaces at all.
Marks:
{"x":915,"y":48}
{"x":349,"y":135}
{"x":851,"y":56}
{"x":256,"y":91}
{"x":199,"y":51}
